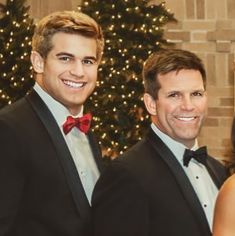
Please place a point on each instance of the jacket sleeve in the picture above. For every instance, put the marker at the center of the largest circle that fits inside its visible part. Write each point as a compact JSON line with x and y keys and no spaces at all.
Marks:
{"x":119,"y":205}
{"x":11,"y":176}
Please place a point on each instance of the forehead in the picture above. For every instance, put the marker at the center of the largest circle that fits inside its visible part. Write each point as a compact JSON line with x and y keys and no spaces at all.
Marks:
{"x":181,"y":80}
{"x":74,"y":44}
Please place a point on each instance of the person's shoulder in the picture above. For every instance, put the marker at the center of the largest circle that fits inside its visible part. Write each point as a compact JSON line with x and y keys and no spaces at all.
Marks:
{"x":227,"y":191}
{"x":12,"y":108}
{"x":229,"y":184}
{"x":138,"y":153}
{"x":224,"y":213}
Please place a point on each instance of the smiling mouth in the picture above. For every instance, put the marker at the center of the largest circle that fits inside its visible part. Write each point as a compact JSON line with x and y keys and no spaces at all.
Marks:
{"x":73,"y":84}
{"x":186,"y":118}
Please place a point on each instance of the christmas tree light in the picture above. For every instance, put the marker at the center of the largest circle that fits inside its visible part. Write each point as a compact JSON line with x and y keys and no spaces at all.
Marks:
{"x":16,"y":29}
{"x":133,"y":29}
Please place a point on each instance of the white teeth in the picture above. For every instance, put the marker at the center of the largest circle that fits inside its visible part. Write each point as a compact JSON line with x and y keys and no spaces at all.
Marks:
{"x":73,"y":84}
{"x":186,"y":118}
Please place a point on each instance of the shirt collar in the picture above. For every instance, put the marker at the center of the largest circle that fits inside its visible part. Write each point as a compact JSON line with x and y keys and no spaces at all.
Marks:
{"x":59,"y":111}
{"x":177,"y":148}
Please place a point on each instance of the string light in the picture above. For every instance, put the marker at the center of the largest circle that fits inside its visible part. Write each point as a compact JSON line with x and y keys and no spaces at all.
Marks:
{"x":12,"y":37}
{"x":129,"y":41}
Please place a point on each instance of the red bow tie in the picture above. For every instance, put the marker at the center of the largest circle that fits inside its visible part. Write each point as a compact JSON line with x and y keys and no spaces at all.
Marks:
{"x":82,"y":123}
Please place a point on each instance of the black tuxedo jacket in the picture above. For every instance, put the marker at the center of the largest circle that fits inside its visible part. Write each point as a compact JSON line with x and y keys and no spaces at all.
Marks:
{"x":41,"y":192}
{"x":146,"y":193}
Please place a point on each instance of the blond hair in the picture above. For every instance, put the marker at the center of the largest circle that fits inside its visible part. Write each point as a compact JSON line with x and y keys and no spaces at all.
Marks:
{"x":70,"y":22}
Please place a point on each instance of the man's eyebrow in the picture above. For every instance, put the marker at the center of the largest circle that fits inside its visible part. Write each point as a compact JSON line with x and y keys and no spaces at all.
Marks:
{"x":72,"y":55}
{"x":64,"y":54}
{"x":199,"y":90}
{"x":91,"y":58}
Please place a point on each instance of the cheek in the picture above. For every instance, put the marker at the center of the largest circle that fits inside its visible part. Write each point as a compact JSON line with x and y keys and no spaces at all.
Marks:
{"x":52,"y":70}
{"x":202,"y":106}
{"x":165,"y":108}
{"x":92,"y":73}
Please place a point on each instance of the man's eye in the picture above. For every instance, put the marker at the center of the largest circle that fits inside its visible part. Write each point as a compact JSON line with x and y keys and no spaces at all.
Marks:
{"x":173,"y":95}
{"x":88,"y":61}
{"x":197,"y":94}
{"x":65,"y":58}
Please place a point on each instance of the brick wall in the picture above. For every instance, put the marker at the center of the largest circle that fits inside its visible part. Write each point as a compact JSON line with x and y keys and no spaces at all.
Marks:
{"x":207,"y":27}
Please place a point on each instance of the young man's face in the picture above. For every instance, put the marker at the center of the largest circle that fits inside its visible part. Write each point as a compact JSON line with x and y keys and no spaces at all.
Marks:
{"x":181,"y":105}
{"x":69,"y":72}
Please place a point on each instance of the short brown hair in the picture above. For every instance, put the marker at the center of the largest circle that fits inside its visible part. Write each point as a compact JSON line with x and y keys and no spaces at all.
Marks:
{"x":70,"y":22}
{"x":168,"y":60}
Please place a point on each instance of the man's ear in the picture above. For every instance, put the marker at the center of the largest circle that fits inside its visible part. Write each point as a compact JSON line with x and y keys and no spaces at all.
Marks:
{"x":150,"y":104}
{"x":37,"y":62}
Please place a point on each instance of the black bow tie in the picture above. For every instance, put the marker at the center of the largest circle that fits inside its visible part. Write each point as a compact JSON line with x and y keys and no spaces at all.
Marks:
{"x":200,"y":155}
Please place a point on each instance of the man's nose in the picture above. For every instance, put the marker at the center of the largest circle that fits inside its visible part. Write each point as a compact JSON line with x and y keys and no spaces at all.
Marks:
{"x":77,"y":69}
{"x":187,"y":103}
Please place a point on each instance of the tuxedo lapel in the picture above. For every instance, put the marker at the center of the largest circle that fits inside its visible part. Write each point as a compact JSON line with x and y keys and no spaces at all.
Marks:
{"x":190,"y":196}
{"x":63,"y":153}
{"x":95,"y":151}
{"x":218,"y":181}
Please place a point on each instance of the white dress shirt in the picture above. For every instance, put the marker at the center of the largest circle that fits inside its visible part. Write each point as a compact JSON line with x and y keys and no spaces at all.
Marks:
{"x":77,"y":142}
{"x":196,"y":172}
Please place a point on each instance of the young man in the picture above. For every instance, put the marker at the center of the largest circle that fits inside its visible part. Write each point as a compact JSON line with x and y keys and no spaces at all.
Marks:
{"x":49,"y":161}
{"x":152,"y":189}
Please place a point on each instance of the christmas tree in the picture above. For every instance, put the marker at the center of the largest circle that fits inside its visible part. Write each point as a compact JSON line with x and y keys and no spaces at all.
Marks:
{"x":16,"y":29}
{"x":133,"y":29}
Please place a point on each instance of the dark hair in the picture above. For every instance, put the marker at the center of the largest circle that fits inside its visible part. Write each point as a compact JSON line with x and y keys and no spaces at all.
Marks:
{"x":168,"y":60}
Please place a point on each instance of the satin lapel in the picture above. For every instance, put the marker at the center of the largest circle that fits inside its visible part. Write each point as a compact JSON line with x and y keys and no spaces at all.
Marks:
{"x":181,"y":178}
{"x":213,"y":173}
{"x":96,"y":151}
{"x":63,"y":154}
